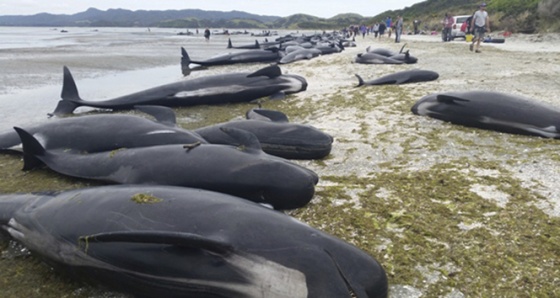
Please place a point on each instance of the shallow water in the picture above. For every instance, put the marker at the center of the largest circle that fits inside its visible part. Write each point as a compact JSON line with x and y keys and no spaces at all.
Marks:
{"x":105,"y":63}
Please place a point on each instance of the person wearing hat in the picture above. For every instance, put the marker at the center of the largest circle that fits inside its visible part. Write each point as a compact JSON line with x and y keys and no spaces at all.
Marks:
{"x":481,"y":24}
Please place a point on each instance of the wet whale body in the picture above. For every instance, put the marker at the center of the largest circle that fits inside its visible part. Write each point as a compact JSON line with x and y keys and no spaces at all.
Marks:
{"x":267,"y":55}
{"x":106,"y":132}
{"x":277,"y":137}
{"x":492,"y":111}
{"x":386,"y":56}
{"x":248,"y":47}
{"x":215,"y":89}
{"x":244,"y":171}
{"x":301,"y":54}
{"x":373,"y":58}
{"x":401,"y":77}
{"x":158,"y":241}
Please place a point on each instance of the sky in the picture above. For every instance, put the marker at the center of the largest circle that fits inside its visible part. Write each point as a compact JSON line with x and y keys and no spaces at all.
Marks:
{"x":282,"y":8}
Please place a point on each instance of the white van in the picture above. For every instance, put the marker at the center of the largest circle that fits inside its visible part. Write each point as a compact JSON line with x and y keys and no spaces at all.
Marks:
{"x":456,"y":29}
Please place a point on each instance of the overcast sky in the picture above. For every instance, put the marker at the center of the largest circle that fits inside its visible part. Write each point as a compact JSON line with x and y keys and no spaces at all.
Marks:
{"x":282,"y":8}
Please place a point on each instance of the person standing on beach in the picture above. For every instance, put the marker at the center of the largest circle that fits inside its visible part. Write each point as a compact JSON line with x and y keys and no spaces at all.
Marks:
{"x":382,"y":28}
{"x":207,"y":34}
{"x":480,"y":24}
{"x":375,"y":29}
{"x":447,"y":26}
{"x":398,"y":29}
{"x":389,"y":26}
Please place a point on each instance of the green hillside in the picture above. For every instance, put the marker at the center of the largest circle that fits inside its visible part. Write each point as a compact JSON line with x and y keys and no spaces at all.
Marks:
{"x":518,"y":16}
{"x":526,"y":16}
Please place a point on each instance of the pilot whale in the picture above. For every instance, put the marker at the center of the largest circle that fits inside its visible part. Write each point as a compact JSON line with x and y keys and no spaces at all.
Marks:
{"x":268,"y":55}
{"x":248,"y":46}
{"x":106,"y":132}
{"x":215,"y":89}
{"x":276,"y":135}
{"x":244,"y":171}
{"x":163,"y":241}
{"x":492,"y":110}
{"x":401,"y":77}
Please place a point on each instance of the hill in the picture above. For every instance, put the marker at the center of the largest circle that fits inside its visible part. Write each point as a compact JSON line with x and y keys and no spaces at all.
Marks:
{"x":141,"y":18}
{"x":526,"y":16}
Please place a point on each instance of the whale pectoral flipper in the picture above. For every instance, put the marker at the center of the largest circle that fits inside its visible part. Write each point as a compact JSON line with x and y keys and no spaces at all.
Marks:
{"x":160,"y":237}
{"x":272,"y":71}
{"x":163,"y":115}
{"x":450,"y":99}
{"x":31,"y":148}
{"x":278,"y":96}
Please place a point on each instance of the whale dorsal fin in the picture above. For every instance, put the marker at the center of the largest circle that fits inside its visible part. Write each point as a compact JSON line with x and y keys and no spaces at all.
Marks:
{"x":31,"y":148}
{"x":272,"y":71}
{"x":163,"y":115}
{"x":160,"y":237}
{"x":245,"y":140}
{"x":267,"y":115}
{"x":445,"y":98}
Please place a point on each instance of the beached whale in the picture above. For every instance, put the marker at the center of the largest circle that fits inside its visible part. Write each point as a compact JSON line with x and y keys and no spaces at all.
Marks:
{"x":301,"y":54}
{"x":215,"y":89}
{"x":106,"y":132}
{"x":266,"y":115}
{"x":248,"y":47}
{"x":161,"y":241}
{"x":404,"y":57}
{"x":493,"y":111}
{"x":268,"y":55}
{"x":401,"y":77}
{"x":373,"y":58}
{"x":244,"y":171}
{"x":276,"y":135}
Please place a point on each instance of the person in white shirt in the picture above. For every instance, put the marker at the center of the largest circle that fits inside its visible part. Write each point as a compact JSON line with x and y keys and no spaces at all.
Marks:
{"x":480,"y":24}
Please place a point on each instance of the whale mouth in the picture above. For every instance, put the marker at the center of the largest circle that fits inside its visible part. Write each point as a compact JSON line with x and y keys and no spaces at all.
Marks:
{"x":296,"y":83}
{"x":351,"y":290}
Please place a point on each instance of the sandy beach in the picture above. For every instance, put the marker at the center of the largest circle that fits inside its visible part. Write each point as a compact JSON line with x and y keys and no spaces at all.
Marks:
{"x":449,"y":211}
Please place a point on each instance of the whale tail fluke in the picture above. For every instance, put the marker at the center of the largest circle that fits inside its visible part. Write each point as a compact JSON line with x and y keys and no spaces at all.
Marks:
{"x":360,"y":80}
{"x":31,"y":148}
{"x":185,"y":62}
{"x":185,"y":59}
{"x":70,"y":96}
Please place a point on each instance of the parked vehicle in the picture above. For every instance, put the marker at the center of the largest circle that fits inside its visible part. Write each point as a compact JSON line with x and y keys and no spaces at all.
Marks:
{"x":456,"y":29}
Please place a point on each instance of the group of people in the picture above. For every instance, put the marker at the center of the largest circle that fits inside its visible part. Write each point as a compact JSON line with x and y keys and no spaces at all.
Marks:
{"x":388,"y":26}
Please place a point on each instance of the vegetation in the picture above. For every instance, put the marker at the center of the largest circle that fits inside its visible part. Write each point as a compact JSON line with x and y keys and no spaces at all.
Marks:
{"x":525,"y":16}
